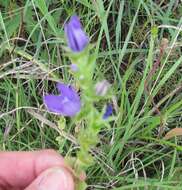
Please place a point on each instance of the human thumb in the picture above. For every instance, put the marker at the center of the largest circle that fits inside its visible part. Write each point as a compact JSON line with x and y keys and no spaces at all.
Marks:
{"x":57,"y":178}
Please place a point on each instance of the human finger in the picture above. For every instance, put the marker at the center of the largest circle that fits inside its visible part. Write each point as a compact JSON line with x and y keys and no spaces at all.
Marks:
{"x":19,"y":169}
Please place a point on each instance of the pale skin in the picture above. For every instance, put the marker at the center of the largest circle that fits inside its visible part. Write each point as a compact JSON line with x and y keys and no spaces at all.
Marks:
{"x":39,"y":170}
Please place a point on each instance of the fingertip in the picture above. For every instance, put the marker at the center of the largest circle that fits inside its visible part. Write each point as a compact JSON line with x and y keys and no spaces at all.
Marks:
{"x":57,"y":178}
{"x":46,"y":159}
{"x":19,"y":169}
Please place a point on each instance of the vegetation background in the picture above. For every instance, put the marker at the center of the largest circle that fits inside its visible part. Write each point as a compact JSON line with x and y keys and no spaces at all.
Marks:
{"x":139,"y":49}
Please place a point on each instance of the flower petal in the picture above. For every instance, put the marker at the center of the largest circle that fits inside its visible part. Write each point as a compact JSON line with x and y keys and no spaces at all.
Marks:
{"x":70,"y":38}
{"x":62,"y":105}
{"x":80,"y":39}
{"x":75,"y":22}
{"x":70,"y":108}
{"x":53,"y":103}
{"x":68,"y":91}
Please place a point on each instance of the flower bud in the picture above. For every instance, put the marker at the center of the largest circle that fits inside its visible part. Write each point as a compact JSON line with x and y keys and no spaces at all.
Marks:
{"x":108,"y":112}
{"x":102,"y":87}
{"x":74,"y":67}
{"x":76,"y":37}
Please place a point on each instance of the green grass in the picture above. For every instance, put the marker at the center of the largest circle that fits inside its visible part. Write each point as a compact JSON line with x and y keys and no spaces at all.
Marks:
{"x":127,"y":34}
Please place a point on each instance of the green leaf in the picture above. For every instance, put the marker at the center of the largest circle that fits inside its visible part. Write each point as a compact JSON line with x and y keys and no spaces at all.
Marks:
{"x":85,"y":159}
{"x":154,"y":31}
{"x":62,"y":123}
{"x":5,"y":3}
{"x":87,"y":139}
{"x":80,"y":185}
{"x":41,"y":4}
{"x":30,"y":25}
{"x":12,"y":25}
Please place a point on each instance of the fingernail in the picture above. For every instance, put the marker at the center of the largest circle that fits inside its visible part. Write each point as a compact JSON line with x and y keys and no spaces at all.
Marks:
{"x":55,"y":179}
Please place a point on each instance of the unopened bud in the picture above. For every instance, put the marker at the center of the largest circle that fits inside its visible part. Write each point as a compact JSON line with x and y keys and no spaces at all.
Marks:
{"x":164,"y":43}
{"x":102,"y":87}
{"x":74,"y":67}
{"x":108,"y":112}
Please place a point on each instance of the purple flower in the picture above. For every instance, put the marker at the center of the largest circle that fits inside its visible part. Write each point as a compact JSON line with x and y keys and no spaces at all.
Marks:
{"x":108,"y":111}
{"x":76,"y":37}
{"x":66,"y":104}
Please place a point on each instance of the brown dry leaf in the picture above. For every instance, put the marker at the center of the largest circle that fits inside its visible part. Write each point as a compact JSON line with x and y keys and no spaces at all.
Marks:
{"x":172,"y":133}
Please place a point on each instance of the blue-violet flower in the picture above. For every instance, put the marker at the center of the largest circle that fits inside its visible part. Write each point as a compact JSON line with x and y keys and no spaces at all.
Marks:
{"x":108,"y":111}
{"x":76,"y":37}
{"x":67,"y":103}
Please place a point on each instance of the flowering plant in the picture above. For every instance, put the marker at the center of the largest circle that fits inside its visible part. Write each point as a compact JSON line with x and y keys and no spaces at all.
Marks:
{"x":70,"y":103}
